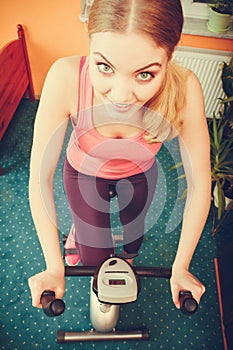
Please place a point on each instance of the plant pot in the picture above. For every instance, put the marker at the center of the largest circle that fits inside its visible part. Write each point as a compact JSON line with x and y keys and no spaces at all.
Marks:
{"x":218,"y":22}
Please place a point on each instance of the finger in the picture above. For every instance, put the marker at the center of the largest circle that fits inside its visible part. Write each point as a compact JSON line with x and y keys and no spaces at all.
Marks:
{"x":36,"y":302}
{"x":175,"y":296}
{"x":176,"y":301}
{"x":36,"y":299}
{"x":198,"y":292}
{"x":35,"y":293}
{"x":59,"y":293}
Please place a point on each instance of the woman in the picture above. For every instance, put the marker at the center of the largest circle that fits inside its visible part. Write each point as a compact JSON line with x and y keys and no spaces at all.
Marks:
{"x":130,"y":97}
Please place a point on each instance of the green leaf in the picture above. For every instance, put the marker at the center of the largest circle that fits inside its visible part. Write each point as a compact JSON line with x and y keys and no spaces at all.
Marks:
{"x":215,"y":131}
{"x":176,"y":166}
{"x":180,"y":177}
{"x":227,"y":100}
{"x":221,"y":200}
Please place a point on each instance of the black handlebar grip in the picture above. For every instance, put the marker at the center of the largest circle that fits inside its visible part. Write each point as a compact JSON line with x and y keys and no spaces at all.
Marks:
{"x":188,"y":305}
{"x":52,"y":307}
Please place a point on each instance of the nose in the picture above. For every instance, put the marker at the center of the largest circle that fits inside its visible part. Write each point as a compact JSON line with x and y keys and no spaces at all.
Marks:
{"x":121,"y":91}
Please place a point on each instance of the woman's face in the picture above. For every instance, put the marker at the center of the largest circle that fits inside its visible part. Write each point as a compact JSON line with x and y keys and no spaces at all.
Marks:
{"x":126,"y":69}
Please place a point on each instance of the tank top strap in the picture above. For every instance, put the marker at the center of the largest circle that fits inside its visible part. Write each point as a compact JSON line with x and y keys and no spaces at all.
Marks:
{"x":81,"y":64}
{"x":85,"y":92}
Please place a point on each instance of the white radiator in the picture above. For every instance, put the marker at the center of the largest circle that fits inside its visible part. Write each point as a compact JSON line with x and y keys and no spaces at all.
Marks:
{"x":206,"y":65}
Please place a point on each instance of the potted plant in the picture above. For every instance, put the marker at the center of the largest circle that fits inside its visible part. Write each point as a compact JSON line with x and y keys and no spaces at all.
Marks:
{"x":221,"y":163}
{"x":220,"y":12}
{"x":221,"y":142}
{"x":221,"y":138}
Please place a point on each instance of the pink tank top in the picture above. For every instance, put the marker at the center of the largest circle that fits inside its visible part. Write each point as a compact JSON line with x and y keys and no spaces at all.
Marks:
{"x":91,"y":153}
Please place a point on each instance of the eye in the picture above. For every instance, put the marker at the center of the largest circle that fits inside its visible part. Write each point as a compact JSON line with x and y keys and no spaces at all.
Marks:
{"x":104,"y":68}
{"x":145,"y":76}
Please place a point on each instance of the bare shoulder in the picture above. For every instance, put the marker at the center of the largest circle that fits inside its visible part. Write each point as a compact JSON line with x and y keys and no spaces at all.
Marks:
{"x":65,"y":69}
{"x":194,"y":90}
{"x":62,"y":81}
{"x":194,"y":107}
{"x":65,"y":63}
{"x":193,"y":83}
{"x":193,"y":116}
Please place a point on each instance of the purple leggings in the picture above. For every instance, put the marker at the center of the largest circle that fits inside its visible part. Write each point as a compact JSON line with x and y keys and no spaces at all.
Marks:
{"x":89,"y":202}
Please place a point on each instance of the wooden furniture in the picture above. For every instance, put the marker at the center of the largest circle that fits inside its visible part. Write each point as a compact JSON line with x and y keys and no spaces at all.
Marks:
{"x":15,"y":78}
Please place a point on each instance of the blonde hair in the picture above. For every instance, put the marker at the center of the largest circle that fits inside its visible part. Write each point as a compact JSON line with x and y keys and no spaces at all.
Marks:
{"x":168,"y":104}
{"x":162,"y":21}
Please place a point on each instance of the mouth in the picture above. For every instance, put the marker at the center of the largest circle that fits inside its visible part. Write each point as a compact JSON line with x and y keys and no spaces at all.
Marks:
{"x":121,"y":107}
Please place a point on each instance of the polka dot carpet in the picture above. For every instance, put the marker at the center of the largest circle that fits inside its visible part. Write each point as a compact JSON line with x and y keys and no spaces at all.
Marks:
{"x":23,"y":327}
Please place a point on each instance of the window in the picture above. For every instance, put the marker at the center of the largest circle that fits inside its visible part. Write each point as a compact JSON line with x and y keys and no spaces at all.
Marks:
{"x":195,"y":8}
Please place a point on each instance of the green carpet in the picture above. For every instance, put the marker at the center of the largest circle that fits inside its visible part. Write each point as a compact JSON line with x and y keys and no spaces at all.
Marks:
{"x":23,"y":327}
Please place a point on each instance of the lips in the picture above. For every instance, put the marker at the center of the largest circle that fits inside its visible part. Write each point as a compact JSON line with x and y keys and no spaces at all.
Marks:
{"x":120,"y":111}
{"x":121,"y":107}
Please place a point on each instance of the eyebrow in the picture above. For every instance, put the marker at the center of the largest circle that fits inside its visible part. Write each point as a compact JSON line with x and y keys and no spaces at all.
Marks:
{"x":138,"y":70}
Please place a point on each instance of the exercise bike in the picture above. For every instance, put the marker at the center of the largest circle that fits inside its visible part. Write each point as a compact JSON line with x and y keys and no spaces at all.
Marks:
{"x":115,"y":282}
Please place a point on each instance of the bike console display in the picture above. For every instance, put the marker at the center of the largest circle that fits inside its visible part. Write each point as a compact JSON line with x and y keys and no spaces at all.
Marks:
{"x":116,"y":282}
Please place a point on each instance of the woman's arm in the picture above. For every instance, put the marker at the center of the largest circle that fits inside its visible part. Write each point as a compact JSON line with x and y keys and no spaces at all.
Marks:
{"x":58,"y":98}
{"x":195,"y":153}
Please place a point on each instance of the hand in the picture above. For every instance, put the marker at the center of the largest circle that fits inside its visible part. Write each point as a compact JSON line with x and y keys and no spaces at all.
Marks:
{"x":184,"y":280}
{"x":46,"y":280}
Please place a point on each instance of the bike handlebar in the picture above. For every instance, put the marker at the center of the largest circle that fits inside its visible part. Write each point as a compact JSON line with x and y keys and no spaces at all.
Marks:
{"x":188,"y":305}
{"x":142,"y":271}
{"x":54,"y":307}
